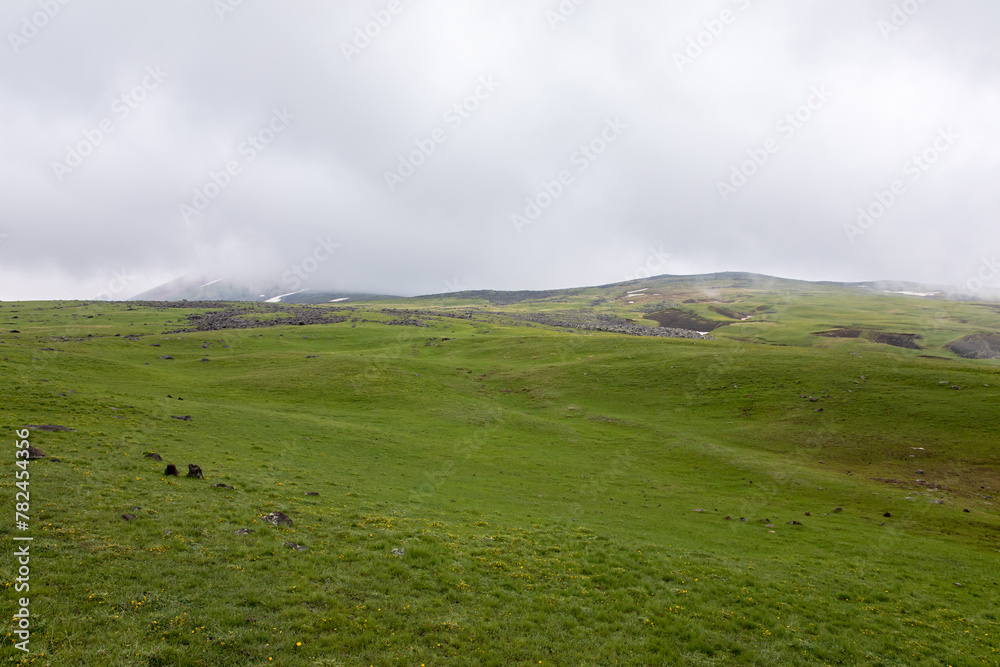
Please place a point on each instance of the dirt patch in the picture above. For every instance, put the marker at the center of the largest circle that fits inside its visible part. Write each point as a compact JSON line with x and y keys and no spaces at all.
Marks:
{"x":731,"y":314}
{"x":977,"y":346}
{"x":905,"y":340}
{"x":674,"y":318}
{"x":841,"y":332}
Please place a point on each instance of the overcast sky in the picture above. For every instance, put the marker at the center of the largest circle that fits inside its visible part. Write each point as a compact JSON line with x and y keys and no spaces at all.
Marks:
{"x":423,"y":146}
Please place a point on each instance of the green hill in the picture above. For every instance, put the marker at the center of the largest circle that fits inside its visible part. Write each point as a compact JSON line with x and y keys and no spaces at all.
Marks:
{"x":554,"y":493}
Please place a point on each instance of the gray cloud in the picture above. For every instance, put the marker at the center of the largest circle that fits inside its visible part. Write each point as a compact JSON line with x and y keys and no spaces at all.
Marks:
{"x":690,"y":121}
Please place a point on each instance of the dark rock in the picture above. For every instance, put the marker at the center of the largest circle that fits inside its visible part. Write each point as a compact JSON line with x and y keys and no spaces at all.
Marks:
{"x":206,"y":359}
{"x":808,"y":514}
{"x":278,"y":519}
{"x":311,"y":493}
{"x":166,"y":356}
{"x":35,"y":453}
{"x":729,"y":518}
{"x":743,"y":518}
{"x":794,"y":523}
{"x":225,"y":486}
{"x":244,"y":531}
{"x":171,"y":470}
{"x":194,"y":471}
{"x":966,"y":511}
{"x":154,"y":455}
{"x":920,"y":472}
{"x":838,"y":509}
{"x":185,"y":418}
{"x":129,"y":517}
{"x":293,"y":545}
{"x":887,"y":515}
{"x":47,"y":427}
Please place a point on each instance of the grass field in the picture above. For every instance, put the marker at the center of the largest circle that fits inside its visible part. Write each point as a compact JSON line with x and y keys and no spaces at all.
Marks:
{"x":543,"y":485}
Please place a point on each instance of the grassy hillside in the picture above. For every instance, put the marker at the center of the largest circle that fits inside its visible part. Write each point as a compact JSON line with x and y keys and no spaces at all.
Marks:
{"x":557,"y":497}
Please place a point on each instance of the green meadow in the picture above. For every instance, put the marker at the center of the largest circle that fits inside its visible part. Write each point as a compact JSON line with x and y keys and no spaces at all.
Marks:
{"x":553,"y":496}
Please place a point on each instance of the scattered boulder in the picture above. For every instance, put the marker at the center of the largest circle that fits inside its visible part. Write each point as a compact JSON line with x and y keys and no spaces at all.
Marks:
{"x":743,"y":518}
{"x":794,"y":523}
{"x":225,"y":486}
{"x":399,"y":553}
{"x":129,"y":517}
{"x":185,"y":418}
{"x":154,"y":455}
{"x":699,"y":510}
{"x":194,"y":471}
{"x":808,"y":514}
{"x":966,"y":511}
{"x":35,"y":453}
{"x":838,"y":509}
{"x":166,"y":356}
{"x":53,"y":460}
{"x":887,"y":515}
{"x":729,"y":518}
{"x":311,"y":493}
{"x":47,"y":427}
{"x":244,"y":531}
{"x":171,"y":470}
{"x":297,"y":547}
{"x":278,"y":519}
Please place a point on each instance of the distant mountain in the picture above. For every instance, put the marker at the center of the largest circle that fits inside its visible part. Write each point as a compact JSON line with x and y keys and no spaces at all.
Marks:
{"x":209,"y":288}
{"x":694,"y":288}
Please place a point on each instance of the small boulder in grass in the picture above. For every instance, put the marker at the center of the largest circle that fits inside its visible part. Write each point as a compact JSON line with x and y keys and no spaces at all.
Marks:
{"x":278,"y":519}
{"x":311,"y":493}
{"x":194,"y":471}
{"x":293,"y":545}
{"x":171,"y":470}
{"x":154,"y":455}
{"x":129,"y":517}
{"x":244,"y":531}
{"x":35,"y":453}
